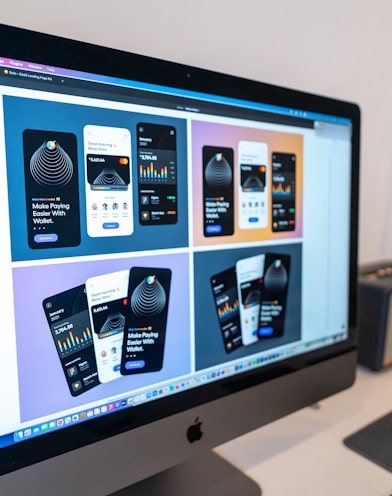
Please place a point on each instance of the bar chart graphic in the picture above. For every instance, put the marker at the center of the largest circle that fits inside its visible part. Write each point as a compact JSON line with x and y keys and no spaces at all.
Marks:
{"x":152,"y":172}
{"x":280,"y":190}
{"x":72,"y":341}
{"x":157,"y":168}
{"x":228,"y":309}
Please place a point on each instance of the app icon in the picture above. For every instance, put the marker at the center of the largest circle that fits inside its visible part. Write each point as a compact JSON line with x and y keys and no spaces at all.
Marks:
{"x":145,"y":215}
{"x":76,"y":386}
{"x":72,"y":371}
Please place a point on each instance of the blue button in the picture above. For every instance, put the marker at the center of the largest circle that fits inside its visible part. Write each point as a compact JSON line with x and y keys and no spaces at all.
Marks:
{"x":266,"y":331}
{"x":135,"y":364}
{"x":253,"y":219}
{"x":116,"y":368}
{"x":110,"y":225}
{"x":46,"y":238}
{"x":215,"y":229}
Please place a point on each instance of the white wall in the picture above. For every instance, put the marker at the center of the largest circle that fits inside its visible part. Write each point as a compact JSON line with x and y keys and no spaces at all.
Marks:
{"x":340,"y":48}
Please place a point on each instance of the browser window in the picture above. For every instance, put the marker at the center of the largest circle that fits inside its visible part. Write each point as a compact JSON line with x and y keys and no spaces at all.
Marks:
{"x":199,"y":200}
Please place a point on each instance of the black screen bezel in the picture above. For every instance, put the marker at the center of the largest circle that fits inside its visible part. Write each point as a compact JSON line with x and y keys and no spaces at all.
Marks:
{"x":46,"y":49}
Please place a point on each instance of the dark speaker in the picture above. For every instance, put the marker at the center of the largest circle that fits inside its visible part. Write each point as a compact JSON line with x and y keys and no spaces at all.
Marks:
{"x":375,"y":315}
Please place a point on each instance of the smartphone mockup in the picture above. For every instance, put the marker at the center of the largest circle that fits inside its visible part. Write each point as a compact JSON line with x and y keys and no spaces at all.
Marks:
{"x":109,"y":207}
{"x":274,"y":295}
{"x":145,"y":321}
{"x":224,"y":288}
{"x":225,"y":292}
{"x":253,"y":187}
{"x":283,"y":192}
{"x":52,"y":189}
{"x":106,"y":296}
{"x":249,"y":282}
{"x":69,"y":322}
{"x":218,"y":191}
{"x":157,"y":174}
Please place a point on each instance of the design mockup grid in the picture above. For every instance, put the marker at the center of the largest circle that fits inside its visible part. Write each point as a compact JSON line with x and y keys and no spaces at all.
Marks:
{"x":147,"y":245}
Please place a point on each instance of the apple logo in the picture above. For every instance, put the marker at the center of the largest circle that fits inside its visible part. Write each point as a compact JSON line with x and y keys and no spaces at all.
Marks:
{"x":194,"y":432}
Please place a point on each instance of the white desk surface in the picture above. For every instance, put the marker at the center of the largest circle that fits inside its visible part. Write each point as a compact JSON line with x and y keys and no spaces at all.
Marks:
{"x":303,"y":454}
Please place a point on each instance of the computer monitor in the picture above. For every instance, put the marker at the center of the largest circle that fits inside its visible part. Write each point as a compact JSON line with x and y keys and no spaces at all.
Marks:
{"x":179,"y":258}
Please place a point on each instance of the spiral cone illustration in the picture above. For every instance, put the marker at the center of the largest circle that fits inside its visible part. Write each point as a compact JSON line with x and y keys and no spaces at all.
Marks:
{"x":114,"y":322}
{"x":109,"y":177}
{"x":149,"y":297}
{"x":276,"y":277}
{"x":218,"y":173}
{"x":50,"y":165}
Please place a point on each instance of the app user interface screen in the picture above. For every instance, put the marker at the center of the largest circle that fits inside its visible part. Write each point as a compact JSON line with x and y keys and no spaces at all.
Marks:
{"x":157,"y":174}
{"x":51,"y":188}
{"x":109,"y":199}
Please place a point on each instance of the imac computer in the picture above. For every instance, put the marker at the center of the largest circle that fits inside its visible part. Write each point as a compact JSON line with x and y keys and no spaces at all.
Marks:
{"x":178,"y":262}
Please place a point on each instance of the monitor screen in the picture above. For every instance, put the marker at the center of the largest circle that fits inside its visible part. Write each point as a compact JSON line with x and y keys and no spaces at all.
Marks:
{"x":178,"y":260}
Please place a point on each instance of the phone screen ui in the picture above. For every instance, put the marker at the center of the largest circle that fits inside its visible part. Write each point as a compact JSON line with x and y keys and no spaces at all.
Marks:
{"x":157,"y":174}
{"x":108,"y":186}
{"x":145,"y":321}
{"x":224,"y":288}
{"x":69,"y":321}
{"x":107,"y":304}
{"x":52,"y":189}
{"x":249,"y":280}
{"x":283,"y":192}
{"x":218,"y":191}
{"x":253,"y":190}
